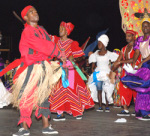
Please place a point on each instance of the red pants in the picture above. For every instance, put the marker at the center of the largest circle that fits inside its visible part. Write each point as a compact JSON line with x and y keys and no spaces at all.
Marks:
{"x":25,"y":113}
{"x":27,"y":102}
{"x":126,"y":94}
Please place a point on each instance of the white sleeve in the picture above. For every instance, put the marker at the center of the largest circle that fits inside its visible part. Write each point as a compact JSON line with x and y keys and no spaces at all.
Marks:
{"x":113,"y":56}
{"x":92,"y":58}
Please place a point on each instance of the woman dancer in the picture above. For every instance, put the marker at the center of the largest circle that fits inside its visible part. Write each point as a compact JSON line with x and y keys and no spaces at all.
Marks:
{"x":74,"y":97}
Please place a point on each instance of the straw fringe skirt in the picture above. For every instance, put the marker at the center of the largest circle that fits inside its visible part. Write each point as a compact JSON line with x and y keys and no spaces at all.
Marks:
{"x":35,"y":83}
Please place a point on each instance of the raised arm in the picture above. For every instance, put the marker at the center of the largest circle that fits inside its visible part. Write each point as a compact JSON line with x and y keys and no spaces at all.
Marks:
{"x":40,"y":45}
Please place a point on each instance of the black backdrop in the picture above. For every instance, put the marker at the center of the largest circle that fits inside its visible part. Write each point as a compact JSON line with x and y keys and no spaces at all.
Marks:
{"x":88,"y":16}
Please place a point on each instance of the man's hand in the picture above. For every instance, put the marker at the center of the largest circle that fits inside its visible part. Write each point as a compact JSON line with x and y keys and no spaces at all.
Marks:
{"x":71,"y":58}
{"x":139,"y":65}
{"x":133,"y":65}
{"x":63,"y":59}
{"x":117,"y":63}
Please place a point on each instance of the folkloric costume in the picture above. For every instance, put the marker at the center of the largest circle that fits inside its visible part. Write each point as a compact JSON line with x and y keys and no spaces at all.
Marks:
{"x":102,"y":70}
{"x":116,"y":96}
{"x":36,"y":75}
{"x":140,"y":80}
{"x":125,"y":92}
{"x":75,"y":97}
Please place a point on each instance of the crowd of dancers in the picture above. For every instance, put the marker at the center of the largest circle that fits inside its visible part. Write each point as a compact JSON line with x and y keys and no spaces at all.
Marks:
{"x":47,"y":77}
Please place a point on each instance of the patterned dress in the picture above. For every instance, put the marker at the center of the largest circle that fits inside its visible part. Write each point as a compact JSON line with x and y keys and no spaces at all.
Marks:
{"x":75,"y":98}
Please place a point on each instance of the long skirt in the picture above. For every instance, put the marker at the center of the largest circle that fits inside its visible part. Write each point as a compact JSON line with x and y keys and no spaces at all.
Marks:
{"x":140,"y":82}
{"x":73,"y":99}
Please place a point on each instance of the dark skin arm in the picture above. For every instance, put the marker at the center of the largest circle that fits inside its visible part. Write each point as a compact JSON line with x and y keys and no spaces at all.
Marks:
{"x":143,"y":61}
{"x":84,"y":72}
{"x":78,"y":59}
{"x":93,"y":67}
{"x":117,"y":63}
{"x":135,"y":57}
{"x":71,"y":58}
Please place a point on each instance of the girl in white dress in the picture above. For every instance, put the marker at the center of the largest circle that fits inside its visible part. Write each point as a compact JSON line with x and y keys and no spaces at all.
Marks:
{"x":101,"y":70}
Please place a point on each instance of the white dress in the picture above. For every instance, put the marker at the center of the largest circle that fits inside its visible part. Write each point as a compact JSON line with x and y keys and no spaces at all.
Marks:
{"x":104,"y":69}
{"x":5,"y":96}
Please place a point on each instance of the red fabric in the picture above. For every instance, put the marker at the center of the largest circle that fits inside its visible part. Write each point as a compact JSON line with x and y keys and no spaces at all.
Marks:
{"x":70,"y":47}
{"x":11,"y":66}
{"x":25,"y":10}
{"x":25,"y":25}
{"x":35,"y":39}
{"x":76,"y":50}
{"x":131,"y":32}
{"x":18,"y":72}
{"x":38,"y":44}
{"x":72,"y":101}
{"x":26,"y":109}
{"x":69,"y":26}
{"x":130,"y":54}
{"x":125,"y":92}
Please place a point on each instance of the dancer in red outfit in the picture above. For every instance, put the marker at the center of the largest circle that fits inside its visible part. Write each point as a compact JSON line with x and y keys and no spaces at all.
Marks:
{"x":126,"y":56}
{"x":36,"y":74}
{"x":74,"y":98}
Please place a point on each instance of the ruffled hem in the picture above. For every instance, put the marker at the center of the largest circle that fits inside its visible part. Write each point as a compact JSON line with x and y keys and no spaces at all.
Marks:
{"x":42,"y":111}
{"x":143,"y":73}
{"x":72,"y":110}
{"x":25,"y":119}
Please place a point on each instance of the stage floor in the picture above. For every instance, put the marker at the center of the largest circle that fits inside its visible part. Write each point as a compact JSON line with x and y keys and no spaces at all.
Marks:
{"x":93,"y":124}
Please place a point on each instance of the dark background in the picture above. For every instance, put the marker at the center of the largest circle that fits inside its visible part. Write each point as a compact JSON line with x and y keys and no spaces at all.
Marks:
{"x":88,"y":16}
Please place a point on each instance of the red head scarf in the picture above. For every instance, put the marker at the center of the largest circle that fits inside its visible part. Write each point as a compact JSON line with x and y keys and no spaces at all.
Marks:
{"x":131,"y":32}
{"x":69,"y":26}
{"x":25,"y":10}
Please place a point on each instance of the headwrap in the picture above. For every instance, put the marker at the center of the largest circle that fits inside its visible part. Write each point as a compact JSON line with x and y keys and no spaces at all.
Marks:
{"x":104,"y":39}
{"x":146,"y":20}
{"x":25,"y":10}
{"x":69,"y":26}
{"x":117,"y":51}
{"x":131,"y":32}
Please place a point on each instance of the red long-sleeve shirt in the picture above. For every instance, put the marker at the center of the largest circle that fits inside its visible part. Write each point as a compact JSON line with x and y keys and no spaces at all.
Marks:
{"x":36,"y":45}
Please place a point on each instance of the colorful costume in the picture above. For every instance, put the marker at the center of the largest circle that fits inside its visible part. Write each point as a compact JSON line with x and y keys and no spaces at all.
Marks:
{"x":36,"y":75}
{"x":116,"y":96}
{"x":128,"y":8}
{"x":74,"y":98}
{"x":125,"y":92}
{"x":140,"y":81}
{"x":134,"y":13}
